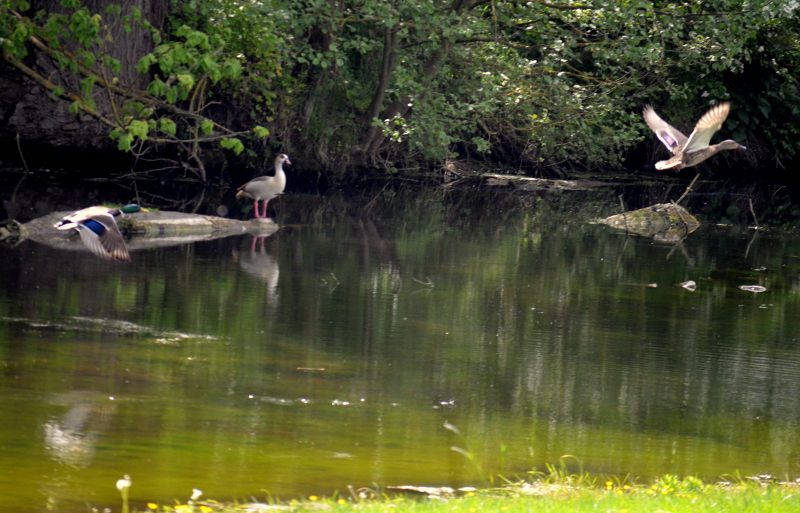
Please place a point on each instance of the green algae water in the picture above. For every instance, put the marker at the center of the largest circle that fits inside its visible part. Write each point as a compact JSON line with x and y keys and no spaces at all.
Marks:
{"x":334,"y":352}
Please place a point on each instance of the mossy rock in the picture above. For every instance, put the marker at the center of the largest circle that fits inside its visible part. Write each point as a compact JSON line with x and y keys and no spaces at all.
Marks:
{"x":667,"y":222}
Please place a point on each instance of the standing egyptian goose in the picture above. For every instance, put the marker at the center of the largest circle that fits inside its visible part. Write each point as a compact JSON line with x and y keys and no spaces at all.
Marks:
{"x":98,"y":230}
{"x":264,"y":188}
{"x":692,"y":150}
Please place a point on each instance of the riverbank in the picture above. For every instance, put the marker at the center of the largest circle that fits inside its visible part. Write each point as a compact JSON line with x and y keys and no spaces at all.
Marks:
{"x":573,"y":494}
{"x":712,"y":201}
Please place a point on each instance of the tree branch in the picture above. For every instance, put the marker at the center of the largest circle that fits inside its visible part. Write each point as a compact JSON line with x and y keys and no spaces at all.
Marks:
{"x":52,"y":88}
{"x":375,"y":106}
{"x":699,"y":14}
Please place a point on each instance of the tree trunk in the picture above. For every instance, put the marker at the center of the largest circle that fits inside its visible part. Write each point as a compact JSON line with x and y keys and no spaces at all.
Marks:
{"x":373,"y":139}
{"x":374,"y":110}
{"x":402,"y":106}
{"x":43,"y":122}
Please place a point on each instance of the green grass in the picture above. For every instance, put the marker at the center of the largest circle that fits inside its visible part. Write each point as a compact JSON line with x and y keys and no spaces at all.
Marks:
{"x":552,"y":494}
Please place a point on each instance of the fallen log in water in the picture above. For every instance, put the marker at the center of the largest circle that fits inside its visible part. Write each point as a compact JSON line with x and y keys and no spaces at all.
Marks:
{"x":141,"y":230}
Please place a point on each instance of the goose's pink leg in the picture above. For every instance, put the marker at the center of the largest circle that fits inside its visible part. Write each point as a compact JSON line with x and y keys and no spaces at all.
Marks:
{"x":265,"y":209}
{"x":253,"y":245}
{"x":255,"y":207}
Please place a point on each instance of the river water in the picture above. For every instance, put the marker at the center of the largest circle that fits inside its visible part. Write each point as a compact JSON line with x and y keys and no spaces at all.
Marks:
{"x":335,"y":352}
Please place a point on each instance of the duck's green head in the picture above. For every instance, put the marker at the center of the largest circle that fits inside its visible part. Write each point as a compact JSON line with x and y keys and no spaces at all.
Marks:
{"x":132,"y":208}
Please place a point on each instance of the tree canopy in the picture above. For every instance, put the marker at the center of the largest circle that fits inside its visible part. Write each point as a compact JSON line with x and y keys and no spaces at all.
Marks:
{"x":537,"y":85}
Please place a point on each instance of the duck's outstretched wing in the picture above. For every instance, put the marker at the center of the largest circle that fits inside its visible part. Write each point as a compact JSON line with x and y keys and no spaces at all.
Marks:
{"x":102,"y":236}
{"x":672,"y":138}
{"x":706,"y":127}
{"x":71,"y":221}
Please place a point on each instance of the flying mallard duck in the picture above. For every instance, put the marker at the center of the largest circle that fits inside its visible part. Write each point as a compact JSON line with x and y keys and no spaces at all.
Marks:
{"x":264,"y":188}
{"x":688,"y":152}
{"x":98,"y":229}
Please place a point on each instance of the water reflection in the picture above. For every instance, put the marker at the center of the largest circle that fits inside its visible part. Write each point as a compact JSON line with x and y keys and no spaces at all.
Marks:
{"x":262,"y":266}
{"x":333,"y":353}
{"x":70,"y":439}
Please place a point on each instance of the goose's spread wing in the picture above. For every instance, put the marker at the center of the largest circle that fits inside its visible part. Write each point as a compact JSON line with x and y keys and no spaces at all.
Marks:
{"x":668,"y":134}
{"x":706,"y":127}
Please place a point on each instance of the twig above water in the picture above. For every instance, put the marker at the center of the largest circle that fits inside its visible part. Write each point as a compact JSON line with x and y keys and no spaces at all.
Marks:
{"x":428,"y":284}
{"x":755,"y":219}
{"x":688,"y":189}
{"x":371,"y":204}
{"x":325,"y":282}
{"x":624,"y":216}
{"x":24,"y":174}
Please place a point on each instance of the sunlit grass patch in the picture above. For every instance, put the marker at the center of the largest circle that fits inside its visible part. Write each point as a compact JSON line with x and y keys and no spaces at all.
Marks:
{"x":554,"y":491}
{"x":668,"y":493}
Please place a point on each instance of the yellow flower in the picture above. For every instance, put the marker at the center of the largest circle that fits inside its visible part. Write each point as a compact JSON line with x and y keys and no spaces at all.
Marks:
{"x":623,"y":511}
{"x":473,"y":510}
{"x":312,"y":497}
{"x":470,"y":494}
{"x":626,"y":486}
{"x":183,"y":507}
{"x":504,"y":508}
{"x":205,"y":509}
{"x":152,"y":505}
{"x":341,"y":501}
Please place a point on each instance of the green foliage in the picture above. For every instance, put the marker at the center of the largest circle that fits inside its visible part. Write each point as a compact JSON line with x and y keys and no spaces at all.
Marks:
{"x":548,"y":82}
{"x":533,"y":83}
{"x":233,"y":144}
{"x":182,"y":67}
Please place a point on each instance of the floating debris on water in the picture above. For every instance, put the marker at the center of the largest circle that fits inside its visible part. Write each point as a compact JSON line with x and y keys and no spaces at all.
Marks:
{"x":101,"y":325}
{"x":753,"y":288}
{"x":688,"y":285}
{"x":277,"y":400}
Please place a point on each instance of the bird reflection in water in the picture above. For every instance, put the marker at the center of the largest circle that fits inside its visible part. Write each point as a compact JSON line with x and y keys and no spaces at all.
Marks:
{"x":260,"y":264}
{"x":70,"y":439}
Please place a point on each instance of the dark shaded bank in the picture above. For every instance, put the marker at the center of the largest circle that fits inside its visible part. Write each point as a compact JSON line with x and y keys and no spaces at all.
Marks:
{"x":463,"y":191}
{"x":110,"y":163}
